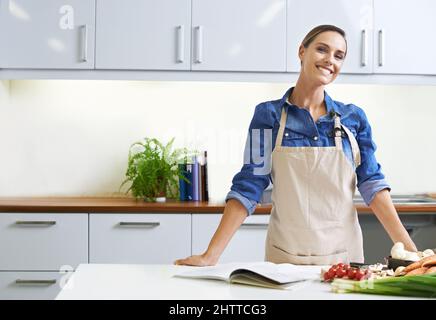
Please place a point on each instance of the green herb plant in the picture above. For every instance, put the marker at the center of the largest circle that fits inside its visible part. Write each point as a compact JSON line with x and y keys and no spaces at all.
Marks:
{"x":153,"y":169}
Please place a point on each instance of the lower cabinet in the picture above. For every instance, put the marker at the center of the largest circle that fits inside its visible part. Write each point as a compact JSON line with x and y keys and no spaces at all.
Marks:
{"x":43,"y":241}
{"x":139,"y":238}
{"x":31,"y":285}
{"x":247,"y":245}
{"x":37,"y":250}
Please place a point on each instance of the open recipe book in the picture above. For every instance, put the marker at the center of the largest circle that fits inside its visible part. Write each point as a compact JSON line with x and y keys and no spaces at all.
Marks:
{"x":262,"y":274}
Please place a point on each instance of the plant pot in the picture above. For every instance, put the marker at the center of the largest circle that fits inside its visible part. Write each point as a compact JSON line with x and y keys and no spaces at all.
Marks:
{"x":161,"y":199}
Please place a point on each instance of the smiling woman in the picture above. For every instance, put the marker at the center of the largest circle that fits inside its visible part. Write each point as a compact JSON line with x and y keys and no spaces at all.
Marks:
{"x":322,"y":149}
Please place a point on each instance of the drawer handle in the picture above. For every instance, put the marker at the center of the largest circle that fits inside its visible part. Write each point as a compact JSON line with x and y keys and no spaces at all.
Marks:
{"x":35,"y":282}
{"x":84,"y":30}
{"x":140,"y":224}
{"x":254,"y":225}
{"x":36,"y":223}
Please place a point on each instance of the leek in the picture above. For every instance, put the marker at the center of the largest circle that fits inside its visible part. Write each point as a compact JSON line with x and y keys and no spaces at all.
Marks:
{"x":423,"y":286}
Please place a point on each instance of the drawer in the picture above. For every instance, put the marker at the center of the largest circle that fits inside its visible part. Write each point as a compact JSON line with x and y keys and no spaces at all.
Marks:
{"x":246,"y":245}
{"x":42,"y":242}
{"x":31,"y":285}
{"x":139,"y":238}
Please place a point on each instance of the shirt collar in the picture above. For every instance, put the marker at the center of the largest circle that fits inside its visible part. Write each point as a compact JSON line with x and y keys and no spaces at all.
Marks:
{"x":330,"y":104}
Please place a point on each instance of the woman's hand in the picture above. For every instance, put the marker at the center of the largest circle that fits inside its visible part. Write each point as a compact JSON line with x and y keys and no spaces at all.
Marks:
{"x":197,"y":260}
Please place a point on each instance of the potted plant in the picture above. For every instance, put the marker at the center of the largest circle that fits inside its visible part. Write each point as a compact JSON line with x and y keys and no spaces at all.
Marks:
{"x":153,"y":170}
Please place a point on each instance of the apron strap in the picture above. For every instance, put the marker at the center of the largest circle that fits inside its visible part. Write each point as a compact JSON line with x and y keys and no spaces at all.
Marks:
{"x":282,"y":127}
{"x":354,"y":146}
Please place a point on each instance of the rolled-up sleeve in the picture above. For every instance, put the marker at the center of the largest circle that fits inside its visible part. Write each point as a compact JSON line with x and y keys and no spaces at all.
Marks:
{"x":370,"y":178}
{"x":250,"y":182}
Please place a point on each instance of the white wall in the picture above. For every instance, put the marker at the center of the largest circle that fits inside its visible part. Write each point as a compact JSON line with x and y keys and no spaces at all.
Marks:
{"x":71,"y":138}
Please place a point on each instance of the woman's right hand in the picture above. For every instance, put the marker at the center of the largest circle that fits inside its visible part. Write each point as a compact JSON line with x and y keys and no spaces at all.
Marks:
{"x":196,"y":260}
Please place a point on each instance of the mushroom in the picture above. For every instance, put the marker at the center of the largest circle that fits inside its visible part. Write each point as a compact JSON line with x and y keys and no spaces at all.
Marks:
{"x":397,"y":251}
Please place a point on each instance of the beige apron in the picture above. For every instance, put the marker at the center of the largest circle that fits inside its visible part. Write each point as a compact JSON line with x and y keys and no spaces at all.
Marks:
{"x":313,"y":217}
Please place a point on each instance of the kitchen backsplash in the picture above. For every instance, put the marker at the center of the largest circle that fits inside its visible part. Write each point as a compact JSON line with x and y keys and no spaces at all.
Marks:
{"x":71,"y":137}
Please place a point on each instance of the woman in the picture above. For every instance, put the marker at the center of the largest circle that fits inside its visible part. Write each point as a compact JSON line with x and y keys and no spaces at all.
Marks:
{"x":321,"y":148}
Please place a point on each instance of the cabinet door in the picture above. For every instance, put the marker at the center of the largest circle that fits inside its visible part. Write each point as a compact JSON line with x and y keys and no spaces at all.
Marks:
{"x":247,"y":245}
{"x":46,"y":242}
{"x":143,"y":34}
{"x":139,"y":238}
{"x":31,"y":285}
{"x":245,"y":35}
{"x":354,"y":17}
{"x":404,"y":33}
{"x":47,"y":34}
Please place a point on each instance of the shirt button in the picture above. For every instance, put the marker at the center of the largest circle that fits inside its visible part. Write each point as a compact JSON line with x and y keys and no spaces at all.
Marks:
{"x":286,"y":134}
{"x":315,"y":138}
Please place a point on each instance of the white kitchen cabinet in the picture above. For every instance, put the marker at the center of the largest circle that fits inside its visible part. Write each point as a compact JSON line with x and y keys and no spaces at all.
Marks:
{"x":143,"y":34}
{"x":404,"y":34}
{"x":32,"y":285}
{"x":49,"y":34}
{"x":42,"y":242}
{"x":245,"y":35}
{"x":354,"y":17}
{"x":247,"y":244}
{"x":139,"y":238}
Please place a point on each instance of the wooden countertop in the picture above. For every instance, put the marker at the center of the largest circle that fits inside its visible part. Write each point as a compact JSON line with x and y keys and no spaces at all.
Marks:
{"x":130,"y":205}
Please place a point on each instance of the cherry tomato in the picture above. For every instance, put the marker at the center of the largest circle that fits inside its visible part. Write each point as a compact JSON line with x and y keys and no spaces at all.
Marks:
{"x":326,"y":276}
{"x":352,"y":273}
{"x":347,"y":267}
{"x":332,"y":273}
{"x":359,"y":275}
{"x":341,"y":272}
{"x":340,"y":265}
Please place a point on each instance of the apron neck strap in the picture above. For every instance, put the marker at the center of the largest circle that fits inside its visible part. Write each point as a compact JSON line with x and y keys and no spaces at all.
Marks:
{"x":282,"y":127}
{"x":353,"y":142}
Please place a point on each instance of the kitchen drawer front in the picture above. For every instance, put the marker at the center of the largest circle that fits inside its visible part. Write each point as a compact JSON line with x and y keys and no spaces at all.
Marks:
{"x":46,"y":242}
{"x":247,"y":244}
{"x":139,"y":238}
{"x":31,"y":285}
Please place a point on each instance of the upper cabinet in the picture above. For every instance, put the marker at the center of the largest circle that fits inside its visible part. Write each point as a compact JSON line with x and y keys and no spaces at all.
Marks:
{"x":230,"y":35}
{"x":244,"y":39}
{"x":143,"y":34}
{"x":404,"y":33}
{"x":47,"y":34}
{"x":354,"y":17}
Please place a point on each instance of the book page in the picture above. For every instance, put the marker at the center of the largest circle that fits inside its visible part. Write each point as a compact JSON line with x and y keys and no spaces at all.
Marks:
{"x":271,"y":272}
{"x":284,"y":273}
{"x":218,"y":272}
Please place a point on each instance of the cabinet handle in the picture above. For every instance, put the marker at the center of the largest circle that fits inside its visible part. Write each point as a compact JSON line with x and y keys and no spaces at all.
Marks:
{"x":198,"y":44}
{"x":180,"y":44}
{"x":139,"y":224}
{"x":84,"y":30}
{"x":254,"y":225}
{"x":35,"y":282}
{"x":381,"y":49}
{"x":35,"y":223}
{"x":364,"y":61}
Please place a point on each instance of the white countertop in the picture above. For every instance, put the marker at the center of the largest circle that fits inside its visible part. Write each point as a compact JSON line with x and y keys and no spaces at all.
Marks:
{"x":156,"y":282}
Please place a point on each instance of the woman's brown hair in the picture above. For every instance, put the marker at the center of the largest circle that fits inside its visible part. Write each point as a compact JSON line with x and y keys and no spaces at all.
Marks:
{"x":320,"y":29}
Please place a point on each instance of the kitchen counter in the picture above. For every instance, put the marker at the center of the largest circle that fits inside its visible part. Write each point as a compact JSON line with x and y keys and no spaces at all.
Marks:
{"x":130,"y":205}
{"x":156,"y":282}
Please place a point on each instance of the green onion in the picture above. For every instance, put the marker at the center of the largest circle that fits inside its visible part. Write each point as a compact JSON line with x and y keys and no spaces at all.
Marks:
{"x":423,"y":286}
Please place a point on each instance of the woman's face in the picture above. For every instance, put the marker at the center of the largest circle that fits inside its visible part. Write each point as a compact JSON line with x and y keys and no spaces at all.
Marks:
{"x":323,"y":58}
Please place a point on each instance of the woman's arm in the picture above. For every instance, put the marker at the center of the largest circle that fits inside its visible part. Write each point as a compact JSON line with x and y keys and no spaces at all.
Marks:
{"x":384,"y":209}
{"x":233,"y":216}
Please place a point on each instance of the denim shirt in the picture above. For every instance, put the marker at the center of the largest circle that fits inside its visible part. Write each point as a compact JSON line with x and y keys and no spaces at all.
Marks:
{"x":301,"y":131}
